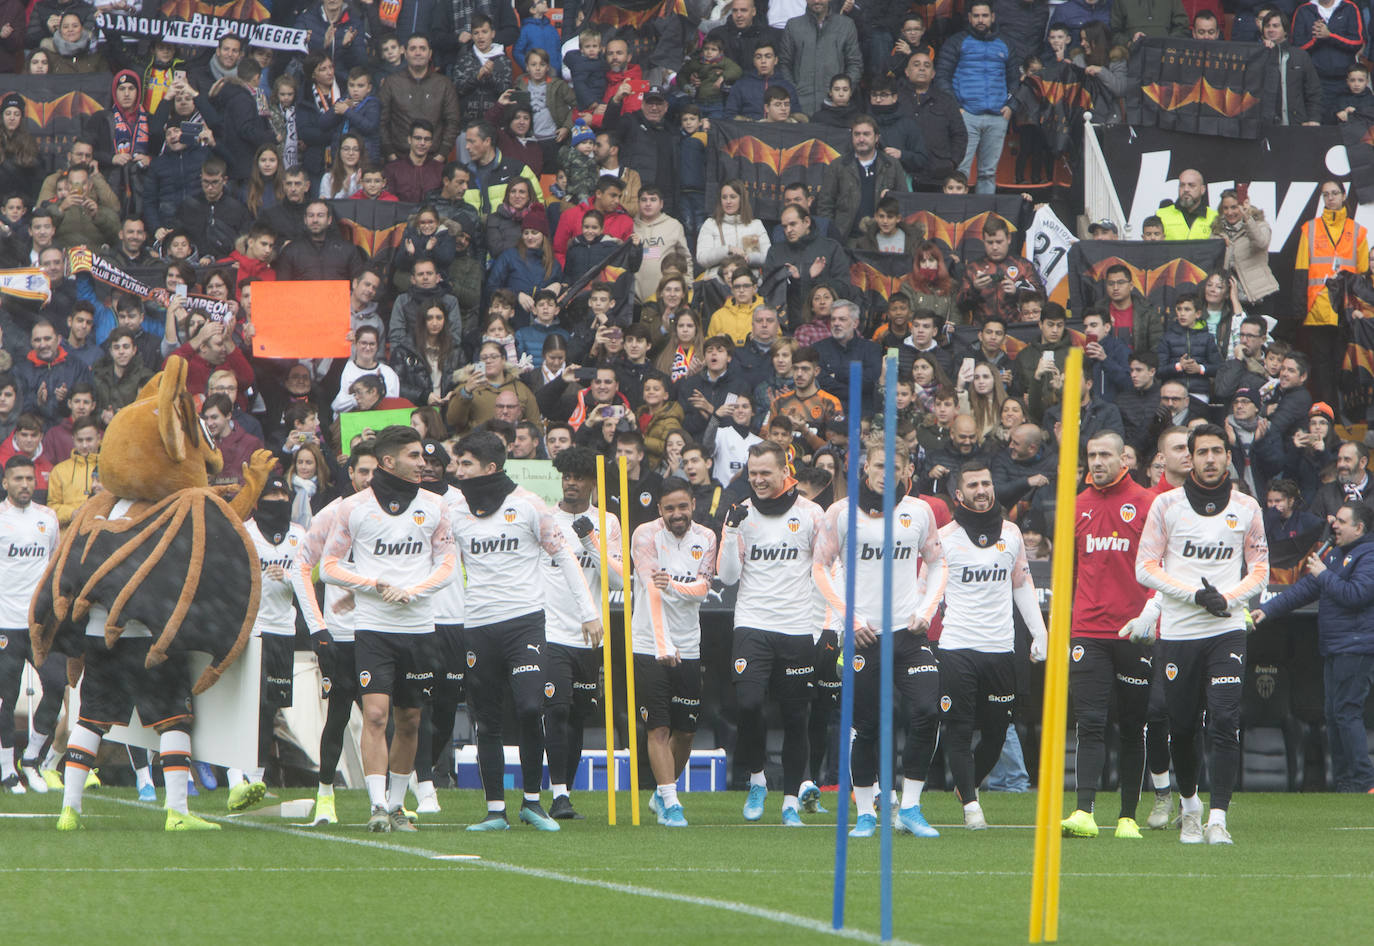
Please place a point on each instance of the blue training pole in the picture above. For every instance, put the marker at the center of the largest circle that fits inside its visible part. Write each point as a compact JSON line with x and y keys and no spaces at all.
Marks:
{"x":847,"y":648}
{"x":885,"y":694}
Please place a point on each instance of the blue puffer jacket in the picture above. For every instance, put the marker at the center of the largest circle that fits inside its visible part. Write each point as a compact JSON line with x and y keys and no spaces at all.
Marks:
{"x":1345,"y":619}
{"x":1198,"y":344}
{"x":1334,"y":54}
{"x":521,"y":273}
{"x":978,"y":72}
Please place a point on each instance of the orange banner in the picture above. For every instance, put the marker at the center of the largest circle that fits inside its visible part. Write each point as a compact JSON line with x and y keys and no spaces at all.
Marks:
{"x":301,"y":319}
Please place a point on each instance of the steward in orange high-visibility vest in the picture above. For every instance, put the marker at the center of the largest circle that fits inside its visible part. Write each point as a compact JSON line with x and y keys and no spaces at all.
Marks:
{"x":1331,"y":243}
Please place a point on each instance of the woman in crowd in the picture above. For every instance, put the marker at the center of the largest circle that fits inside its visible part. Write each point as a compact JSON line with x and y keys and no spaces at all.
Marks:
{"x":683,"y":355}
{"x":1010,"y":415}
{"x":1107,"y":64}
{"x":815,"y":318}
{"x":530,"y":265}
{"x":308,"y":474}
{"x":506,"y":221}
{"x":935,"y":289}
{"x":981,"y":395}
{"x":474,"y":401}
{"x":672,"y":297}
{"x":927,"y":377}
{"x":427,"y":364}
{"x":732,"y":229}
{"x":265,"y":183}
{"x":344,"y":177}
{"x":19,"y":169}
{"x":424,"y":238}
{"x":1246,"y":233}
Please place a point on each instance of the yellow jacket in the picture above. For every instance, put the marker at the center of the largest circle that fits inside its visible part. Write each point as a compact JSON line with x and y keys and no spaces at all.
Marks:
{"x":1330,"y":244}
{"x":1176,"y":227}
{"x":734,"y":320}
{"x":70,"y":485}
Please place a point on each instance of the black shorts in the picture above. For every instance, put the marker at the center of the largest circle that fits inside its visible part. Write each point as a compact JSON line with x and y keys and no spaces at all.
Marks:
{"x":782,"y":663}
{"x":448,"y":683}
{"x":505,"y":654}
{"x":278,"y":669}
{"x":572,"y":676}
{"x":668,"y":696}
{"x":116,"y":682}
{"x":977,"y":686}
{"x":338,"y":673}
{"x":400,"y":666}
{"x":1105,"y":671}
{"x":827,"y":676}
{"x":14,"y":653}
{"x":1205,"y":674}
{"x":915,"y":678}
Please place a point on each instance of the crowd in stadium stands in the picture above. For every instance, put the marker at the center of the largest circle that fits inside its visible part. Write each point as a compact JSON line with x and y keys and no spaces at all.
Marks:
{"x":567,"y":278}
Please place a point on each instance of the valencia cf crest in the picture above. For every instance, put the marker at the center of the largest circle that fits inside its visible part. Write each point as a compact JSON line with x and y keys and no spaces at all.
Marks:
{"x":364,"y":678}
{"x":42,"y":527}
{"x":1127,"y":512}
{"x":1077,"y":653}
{"x":508,"y":514}
{"x":393,"y":507}
{"x":793,"y":524}
{"x":325,"y":686}
{"x":548,"y":691}
{"x":740,"y":664}
{"x":645,"y":498}
{"x":858,"y":662}
{"x":1001,"y":545}
{"x":4,"y":642}
{"x":945,"y":704}
{"x":1171,"y":670}
{"x":1232,"y":520}
{"x":292,"y":540}
{"x":472,"y":660}
{"x":644,"y":713}
{"x":1210,"y":509}
{"x":982,"y":541}
{"x":905,"y":520}
{"x":276,"y":538}
{"x":419,"y":517}
{"x":697,"y":553}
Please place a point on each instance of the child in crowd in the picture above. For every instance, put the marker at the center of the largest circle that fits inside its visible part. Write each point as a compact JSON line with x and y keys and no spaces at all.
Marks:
{"x":362,"y":114}
{"x":537,"y":32}
{"x":692,"y":167}
{"x":1358,"y":99}
{"x":708,"y":75}
{"x":578,"y":159}
{"x":587,"y":70}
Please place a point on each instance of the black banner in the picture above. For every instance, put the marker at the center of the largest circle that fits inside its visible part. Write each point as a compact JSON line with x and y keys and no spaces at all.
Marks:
{"x":767,"y":157}
{"x":1054,"y":101}
{"x":374,"y":226}
{"x":955,"y":221}
{"x":1202,"y":86}
{"x":1359,"y":147}
{"x":1160,"y":271}
{"x":56,"y":108}
{"x":1352,"y":294}
{"x":877,"y":276}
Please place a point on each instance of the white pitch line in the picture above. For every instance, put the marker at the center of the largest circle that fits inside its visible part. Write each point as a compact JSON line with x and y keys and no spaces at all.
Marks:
{"x":214,"y":870}
{"x":917,"y":872}
{"x":732,"y":906}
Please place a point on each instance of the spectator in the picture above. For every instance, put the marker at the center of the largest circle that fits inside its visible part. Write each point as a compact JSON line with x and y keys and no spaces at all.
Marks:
{"x":531,"y":266}
{"x":1023,"y":24}
{"x":49,"y":373}
{"x":286,"y":216}
{"x":426,"y":289}
{"x":537,"y":33}
{"x":745,"y":100}
{"x":1188,"y":217}
{"x":853,"y":184}
{"x":1302,"y":87}
{"x":585,"y":68}
{"x":743,"y":32}
{"x":939,"y":116}
{"x":242,"y":127}
{"x":1095,"y":415}
{"x":975,"y":66}
{"x":649,"y":144}
{"x":659,"y":235}
{"x":1139,"y":404}
{"x":1352,"y":483}
{"x":1247,"y":236}
{"x":1293,"y":402}
{"x":27,"y":441}
{"x":366,"y":359}
{"x":808,"y":258}
{"x":1025,"y":471}
{"x":1133,"y":319}
{"x":1133,"y":20}
{"x":732,"y":230}
{"x":1332,"y":34}
{"x":172,"y":179}
{"x":492,"y":171}
{"x":417,"y":172}
{"x":427,"y":363}
{"x":846,"y":345}
{"x":210,"y":348}
{"x":1290,"y":529}
{"x":481,"y":71}
{"x":815,"y":46}
{"x":77,"y":478}
{"x":899,"y":134}
{"x":1331,"y":243}
{"x":703,"y":393}
{"x":1040,"y":365}
{"x":1245,"y":366}
{"x":1189,"y":352}
{"x":213,"y":218}
{"x":1073,"y":15}
{"x":71,"y":48}
{"x":235,"y":444}
{"x":324,"y":254}
{"x":418,"y":91}
{"x":1106,"y":359}
{"x":552,"y":103}
{"x":617,"y":223}
{"x":993,"y":284}
{"x":119,"y":374}
{"x":839,"y":107}
{"x":607,"y":154}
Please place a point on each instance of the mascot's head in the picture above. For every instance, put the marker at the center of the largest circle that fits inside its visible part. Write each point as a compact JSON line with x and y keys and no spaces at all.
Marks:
{"x":158,"y":445}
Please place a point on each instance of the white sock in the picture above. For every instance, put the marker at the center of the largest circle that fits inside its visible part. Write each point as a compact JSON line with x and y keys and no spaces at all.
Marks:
{"x":911,"y":792}
{"x":667,"y":795}
{"x":789,"y":801}
{"x":143,"y":776}
{"x":326,"y":791}
{"x":52,"y":760}
{"x":376,"y":790}
{"x":1216,"y":816}
{"x":175,"y":779}
{"x":1160,"y":780}
{"x":559,"y":790}
{"x":498,"y":806}
{"x":396,"y":790}
{"x":973,"y":806}
{"x":424,"y":790}
{"x":757,"y":778}
{"x":532,"y":797}
{"x":73,"y":776}
{"x":255,"y":775}
{"x":7,"y":762}
{"x":863,"y":800}
{"x":1192,"y":805}
{"x":35,"y":744}
{"x":235,"y":776}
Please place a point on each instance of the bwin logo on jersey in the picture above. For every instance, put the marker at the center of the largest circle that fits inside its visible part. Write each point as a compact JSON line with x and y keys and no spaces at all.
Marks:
{"x":1077,"y":653}
{"x":1217,"y":551}
{"x":1106,"y":543}
{"x":1127,"y":512}
{"x":364,"y":678}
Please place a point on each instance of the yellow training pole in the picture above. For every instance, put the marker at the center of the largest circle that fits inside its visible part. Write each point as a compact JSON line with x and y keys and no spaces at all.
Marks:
{"x":631,"y":707}
{"x":1044,"y":911}
{"x":607,"y":672}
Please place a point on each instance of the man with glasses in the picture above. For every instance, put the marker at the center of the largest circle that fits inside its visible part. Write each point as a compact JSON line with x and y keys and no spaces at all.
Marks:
{"x":365,"y":360}
{"x":417,"y":172}
{"x":214,"y":218}
{"x":1245,"y":367}
{"x":1181,"y":408}
{"x":1134,"y":320}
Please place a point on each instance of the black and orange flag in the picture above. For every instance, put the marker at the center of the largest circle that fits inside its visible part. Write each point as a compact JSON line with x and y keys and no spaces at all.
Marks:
{"x":1359,"y":148}
{"x":769,"y":156}
{"x":1054,"y":100}
{"x":955,"y":221}
{"x":1201,"y":86}
{"x":877,"y":277}
{"x":56,"y":108}
{"x":1160,"y":271}
{"x":1356,"y":383}
{"x":374,"y":226}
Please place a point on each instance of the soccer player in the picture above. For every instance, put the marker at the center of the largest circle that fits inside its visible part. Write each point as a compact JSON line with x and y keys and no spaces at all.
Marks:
{"x":988,"y":575}
{"x":28,"y":532}
{"x":1103,"y":668}
{"x":278,"y":541}
{"x":440,"y":711}
{"x":914,"y":601}
{"x":502,"y":538}
{"x":674,"y":558}
{"x":572,"y":663}
{"x":768,"y":546}
{"x":339,"y":679}
{"x":1204,"y":551}
{"x":402,"y":553}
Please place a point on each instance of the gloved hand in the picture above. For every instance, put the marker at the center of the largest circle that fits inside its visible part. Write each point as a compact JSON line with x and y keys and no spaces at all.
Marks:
{"x":1212,"y":600}
{"x":735,"y":515}
{"x":1039,"y":648}
{"x":1140,"y":629}
{"x":320,"y":640}
{"x":582,"y":526}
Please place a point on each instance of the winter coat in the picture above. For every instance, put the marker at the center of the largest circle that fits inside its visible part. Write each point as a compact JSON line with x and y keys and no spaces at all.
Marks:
{"x":1247,"y":255}
{"x":739,"y":44}
{"x":814,"y":51}
{"x":363,"y":119}
{"x":503,"y":230}
{"x":115,"y":392}
{"x":477,"y":93}
{"x":1154,"y":18}
{"x":1022,"y":24}
{"x":589,"y":257}
{"x":898,"y":130}
{"x":1073,"y":15}
{"x":588,"y":78}
{"x":241,"y":130}
{"x":412,"y":370}
{"x":172,"y":178}
{"x":344,"y":55}
{"x":442,"y":255}
{"x":405,"y":99}
{"x":539,"y":33}
{"x":978,"y":71}
{"x":69,"y":485}
{"x":842,"y":192}
{"x":332,"y":258}
{"x":707,"y":73}
{"x":465,"y":413}
{"x":1336,"y":53}
{"x":213,"y":227}
{"x":713,"y":390}
{"x":64,"y":371}
{"x":746,"y":95}
{"x":649,"y":148}
{"x":559,"y":98}
{"x":521,"y":273}
{"x":1195,"y":342}
{"x":942,"y":129}
{"x":714,"y":241}
{"x":656,"y":425}
{"x":1304,"y":87}
{"x":409,"y":309}
{"x":1345,"y":617}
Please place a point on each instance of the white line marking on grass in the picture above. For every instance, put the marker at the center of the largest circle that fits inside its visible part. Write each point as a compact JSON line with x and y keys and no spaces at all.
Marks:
{"x":731,"y":906}
{"x":173,"y":869}
{"x":917,"y":872}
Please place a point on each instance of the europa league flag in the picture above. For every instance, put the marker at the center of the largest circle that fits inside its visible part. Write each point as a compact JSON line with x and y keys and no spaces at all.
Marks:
{"x":877,"y":277}
{"x":1054,"y":100}
{"x":56,"y":108}
{"x":1201,"y":86}
{"x":635,"y":14}
{"x":768,"y":156}
{"x":1359,"y":149}
{"x":374,"y":226}
{"x":1160,"y":271}
{"x":955,"y":221}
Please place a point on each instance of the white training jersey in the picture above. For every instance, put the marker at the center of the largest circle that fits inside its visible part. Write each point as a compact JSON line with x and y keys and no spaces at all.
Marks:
{"x":915,"y":539}
{"x":731,"y":453}
{"x":562,"y":618}
{"x":666,"y":621}
{"x":276,"y":610}
{"x":338,"y":601}
{"x":450,"y":601}
{"x":1180,"y":546}
{"x":503,"y":554}
{"x":982,"y":587}
{"x":412,"y":550}
{"x":28,"y":539}
{"x":771,"y":558}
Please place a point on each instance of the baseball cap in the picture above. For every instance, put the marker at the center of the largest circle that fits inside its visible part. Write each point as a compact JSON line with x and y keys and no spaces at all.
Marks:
{"x":656,"y":92}
{"x":1102,"y":226}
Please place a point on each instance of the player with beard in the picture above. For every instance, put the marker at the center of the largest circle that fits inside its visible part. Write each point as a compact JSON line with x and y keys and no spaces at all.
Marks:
{"x":674,"y":559}
{"x":1204,"y":550}
{"x":768,"y":545}
{"x":339,"y":679}
{"x":988,"y":576}
{"x":1104,"y":668}
{"x":915,"y":599}
{"x":572,"y":662}
{"x":504,"y":537}
{"x":401,"y":548}
{"x":278,"y":541}
{"x":441,"y":709}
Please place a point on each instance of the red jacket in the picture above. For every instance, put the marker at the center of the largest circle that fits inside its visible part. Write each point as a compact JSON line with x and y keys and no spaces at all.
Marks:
{"x":362,"y":195}
{"x":411,"y":183}
{"x":619,"y":224}
{"x":42,"y":466}
{"x":249,"y":270}
{"x":1107,"y":527}
{"x":198,"y":371}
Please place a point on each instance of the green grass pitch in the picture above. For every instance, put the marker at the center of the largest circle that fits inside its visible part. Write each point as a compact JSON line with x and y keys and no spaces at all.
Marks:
{"x":1302,"y":872}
